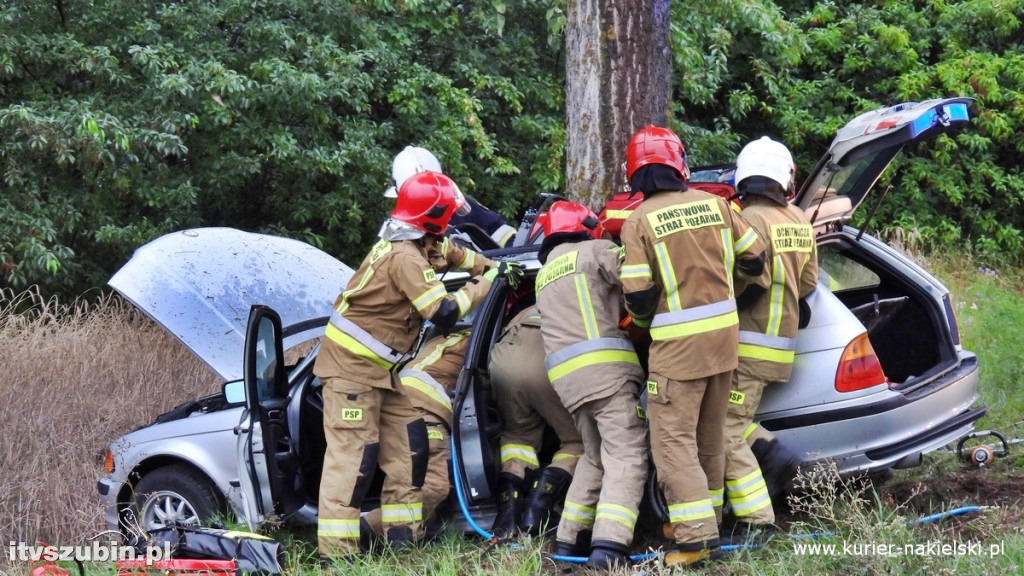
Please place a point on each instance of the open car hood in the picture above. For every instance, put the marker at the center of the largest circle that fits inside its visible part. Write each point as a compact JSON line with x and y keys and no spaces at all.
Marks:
{"x":199,"y":285}
{"x":864,"y":148}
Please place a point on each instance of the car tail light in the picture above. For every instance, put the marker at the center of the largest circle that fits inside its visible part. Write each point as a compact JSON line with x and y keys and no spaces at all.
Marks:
{"x":859,"y":367}
{"x":108,"y":462}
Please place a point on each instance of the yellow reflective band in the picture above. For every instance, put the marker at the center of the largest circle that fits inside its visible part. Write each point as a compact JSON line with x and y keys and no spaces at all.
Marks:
{"x":748,"y":494}
{"x":717,"y":496}
{"x":652,"y":387}
{"x":617,"y":214}
{"x":778,"y":292}
{"x":427,"y":390}
{"x":354,"y":346}
{"x":429,"y":297}
{"x":586,"y":307}
{"x":736,"y":397}
{"x":578,"y":513}
{"x":694,"y":327}
{"x":691,"y":511}
{"x":338,"y":527}
{"x":729,"y":260}
{"x":434,"y":434}
{"x":750,"y":430}
{"x":616,"y":513}
{"x":668,"y":275}
{"x":343,"y":305}
{"x":519,"y":452}
{"x":463,"y":301}
{"x":740,"y":485}
{"x":745,"y":241}
{"x":641,"y":271}
{"x":755,"y":352}
{"x":401,"y":513}
{"x":468,"y":260}
{"x":563,"y":456}
{"x":590,"y":359}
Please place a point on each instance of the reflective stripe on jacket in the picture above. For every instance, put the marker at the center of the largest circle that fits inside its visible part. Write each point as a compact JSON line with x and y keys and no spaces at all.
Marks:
{"x":378,"y":317}
{"x":686,"y":245}
{"x":579,"y":298}
{"x":768,"y":328}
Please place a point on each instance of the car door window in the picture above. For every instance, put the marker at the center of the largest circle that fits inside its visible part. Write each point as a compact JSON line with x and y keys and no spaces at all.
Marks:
{"x":840,"y":273}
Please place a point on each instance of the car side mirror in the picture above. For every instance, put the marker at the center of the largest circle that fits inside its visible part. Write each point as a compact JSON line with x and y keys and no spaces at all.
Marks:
{"x":234,"y":392}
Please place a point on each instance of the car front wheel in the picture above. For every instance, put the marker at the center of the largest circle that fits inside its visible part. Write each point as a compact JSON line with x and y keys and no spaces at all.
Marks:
{"x":175,"y":494}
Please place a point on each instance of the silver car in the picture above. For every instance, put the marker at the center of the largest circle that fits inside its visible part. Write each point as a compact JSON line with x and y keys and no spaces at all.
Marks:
{"x":880,"y":376}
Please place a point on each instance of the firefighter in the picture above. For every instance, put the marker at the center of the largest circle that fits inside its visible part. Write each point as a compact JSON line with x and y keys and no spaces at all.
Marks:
{"x":376,"y":321}
{"x":768,"y":319}
{"x":428,"y":381}
{"x":686,"y":255}
{"x":413,"y":159}
{"x":528,"y":405}
{"x":594,"y":369}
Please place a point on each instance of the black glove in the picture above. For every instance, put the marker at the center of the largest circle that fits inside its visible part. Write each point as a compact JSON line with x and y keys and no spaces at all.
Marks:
{"x":512,"y":271}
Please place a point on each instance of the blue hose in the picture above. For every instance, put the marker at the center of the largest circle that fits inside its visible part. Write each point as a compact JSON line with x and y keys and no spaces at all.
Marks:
{"x":460,"y":496}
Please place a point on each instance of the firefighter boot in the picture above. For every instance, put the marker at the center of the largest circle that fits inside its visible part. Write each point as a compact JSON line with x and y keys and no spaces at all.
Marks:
{"x":608,"y":555}
{"x":779,"y":466}
{"x":506,"y":522}
{"x":547,"y":495}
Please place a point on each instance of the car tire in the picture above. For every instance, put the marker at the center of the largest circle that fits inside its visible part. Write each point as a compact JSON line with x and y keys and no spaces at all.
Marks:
{"x":175,"y":494}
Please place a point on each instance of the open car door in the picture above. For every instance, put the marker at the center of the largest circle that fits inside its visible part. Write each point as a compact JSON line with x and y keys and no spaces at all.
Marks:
{"x":266,"y":458}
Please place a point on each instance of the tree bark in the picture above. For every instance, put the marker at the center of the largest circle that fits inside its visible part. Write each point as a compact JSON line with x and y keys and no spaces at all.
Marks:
{"x":618,"y":80}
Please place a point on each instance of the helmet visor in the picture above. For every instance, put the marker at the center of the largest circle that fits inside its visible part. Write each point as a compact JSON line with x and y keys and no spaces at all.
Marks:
{"x":462,"y":208}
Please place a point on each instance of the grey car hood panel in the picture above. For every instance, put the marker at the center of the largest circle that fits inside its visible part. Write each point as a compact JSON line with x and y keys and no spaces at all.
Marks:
{"x":199,"y":285}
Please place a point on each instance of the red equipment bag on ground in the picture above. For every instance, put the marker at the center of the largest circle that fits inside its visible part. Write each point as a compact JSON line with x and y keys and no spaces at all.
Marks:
{"x":179,"y":567}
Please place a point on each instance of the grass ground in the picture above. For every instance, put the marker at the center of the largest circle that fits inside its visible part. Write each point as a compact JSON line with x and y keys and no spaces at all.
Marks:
{"x":80,"y":375}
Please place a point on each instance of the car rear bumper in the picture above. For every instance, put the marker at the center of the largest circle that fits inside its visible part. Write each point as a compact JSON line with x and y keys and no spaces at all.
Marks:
{"x":889,"y":429}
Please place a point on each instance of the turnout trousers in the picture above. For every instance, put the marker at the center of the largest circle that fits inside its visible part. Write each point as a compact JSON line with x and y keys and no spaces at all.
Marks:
{"x":745,"y":488}
{"x":437,"y":484}
{"x":366,"y":426}
{"x":609,"y":481}
{"x":687,"y":423}
{"x":528,"y":404}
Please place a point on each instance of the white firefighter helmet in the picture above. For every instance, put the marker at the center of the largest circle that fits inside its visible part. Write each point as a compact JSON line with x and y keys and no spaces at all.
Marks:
{"x":411,"y":160}
{"x":768,"y":158}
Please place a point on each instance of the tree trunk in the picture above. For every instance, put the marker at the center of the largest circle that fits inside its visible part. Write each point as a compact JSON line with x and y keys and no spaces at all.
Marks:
{"x":618,"y":66}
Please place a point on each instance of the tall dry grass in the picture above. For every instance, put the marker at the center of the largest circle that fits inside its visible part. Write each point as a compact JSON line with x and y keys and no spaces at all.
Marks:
{"x":76,"y":376}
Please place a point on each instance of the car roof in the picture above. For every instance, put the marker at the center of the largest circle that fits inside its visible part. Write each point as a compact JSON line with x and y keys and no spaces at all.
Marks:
{"x":199,"y":285}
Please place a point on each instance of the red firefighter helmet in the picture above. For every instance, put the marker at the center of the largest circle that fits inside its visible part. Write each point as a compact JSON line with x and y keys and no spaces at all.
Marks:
{"x":656,"y":145}
{"x":427,"y":200}
{"x":564,"y":216}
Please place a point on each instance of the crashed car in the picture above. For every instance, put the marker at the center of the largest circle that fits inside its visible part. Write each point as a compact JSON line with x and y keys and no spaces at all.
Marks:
{"x":880,"y":376}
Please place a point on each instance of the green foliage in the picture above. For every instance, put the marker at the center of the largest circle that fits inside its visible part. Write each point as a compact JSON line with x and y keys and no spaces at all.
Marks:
{"x":123,"y":120}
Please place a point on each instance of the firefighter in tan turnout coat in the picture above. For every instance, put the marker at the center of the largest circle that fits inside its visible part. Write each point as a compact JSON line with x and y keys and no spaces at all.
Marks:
{"x":594,"y":369}
{"x":686,"y":255}
{"x":768,"y":320}
{"x":368,"y":420}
